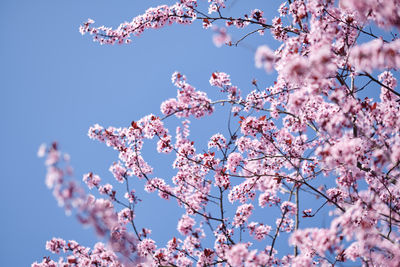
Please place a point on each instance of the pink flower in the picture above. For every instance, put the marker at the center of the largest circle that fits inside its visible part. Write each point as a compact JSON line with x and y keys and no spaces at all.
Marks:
{"x":237,"y":255}
{"x":376,"y":55}
{"x":146,"y":246}
{"x":185,"y":225}
{"x":106,"y":189}
{"x":215,"y":5}
{"x":295,"y":69}
{"x":243,"y":212}
{"x":288,"y":208}
{"x":221,"y":37}
{"x":125,"y":216}
{"x":92,"y":180}
{"x":218,"y":141}
{"x":265,"y":57}
{"x":55,"y":245}
{"x":258,"y":15}
{"x":119,"y":172}
{"x":131,"y":196}
{"x":220,"y":79}
{"x":259,"y":231}
{"x":234,"y":160}
{"x":283,"y":9}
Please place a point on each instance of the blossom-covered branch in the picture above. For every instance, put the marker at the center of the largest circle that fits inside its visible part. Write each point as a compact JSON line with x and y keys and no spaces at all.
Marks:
{"x":315,"y":142}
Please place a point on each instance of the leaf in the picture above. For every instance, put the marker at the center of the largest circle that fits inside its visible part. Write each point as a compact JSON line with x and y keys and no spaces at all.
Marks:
{"x":208,"y":252}
{"x":134,"y":125}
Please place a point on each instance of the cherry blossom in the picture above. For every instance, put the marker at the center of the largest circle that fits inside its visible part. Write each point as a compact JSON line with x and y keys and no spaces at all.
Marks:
{"x":320,"y":141}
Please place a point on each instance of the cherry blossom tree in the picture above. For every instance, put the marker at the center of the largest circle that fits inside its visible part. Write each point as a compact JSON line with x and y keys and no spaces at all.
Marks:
{"x":311,"y":135}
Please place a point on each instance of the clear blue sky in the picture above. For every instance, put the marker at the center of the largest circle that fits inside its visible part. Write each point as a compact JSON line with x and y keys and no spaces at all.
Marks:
{"x":55,"y":84}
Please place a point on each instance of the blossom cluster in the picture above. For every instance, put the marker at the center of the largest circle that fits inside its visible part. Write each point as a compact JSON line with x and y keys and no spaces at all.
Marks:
{"x":308,"y":145}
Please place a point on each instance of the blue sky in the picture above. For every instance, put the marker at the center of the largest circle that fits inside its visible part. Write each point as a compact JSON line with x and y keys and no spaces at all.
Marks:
{"x":55,"y":84}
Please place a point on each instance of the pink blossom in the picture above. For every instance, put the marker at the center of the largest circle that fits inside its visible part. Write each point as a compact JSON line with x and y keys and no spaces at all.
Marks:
{"x":119,"y":172}
{"x":92,"y":180}
{"x":189,"y":102}
{"x":296,"y":69}
{"x":298,"y":10}
{"x":146,"y":247}
{"x":265,"y":57}
{"x":125,"y":216}
{"x":288,"y":208}
{"x":185,"y":225}
{"x":220,"y":79}
{"x":55,"y":245}
{"x":221,"y":37}
{"x":259,"y":231}
{"x":237,"y":255}
{"x":385,"y":13}
{"x":215,"y":5}
{"x":222,"y":179}
{"x":285,"y":224}
{"x":283,"y":9}
{"x":105,"y":189}
{"x":131,"y":196}
{"x":277,"y":29}
{"x":218,"y":141}
{"x":383,"y":55}
{"x":258,"y":15}
{"x":243,"y":212}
